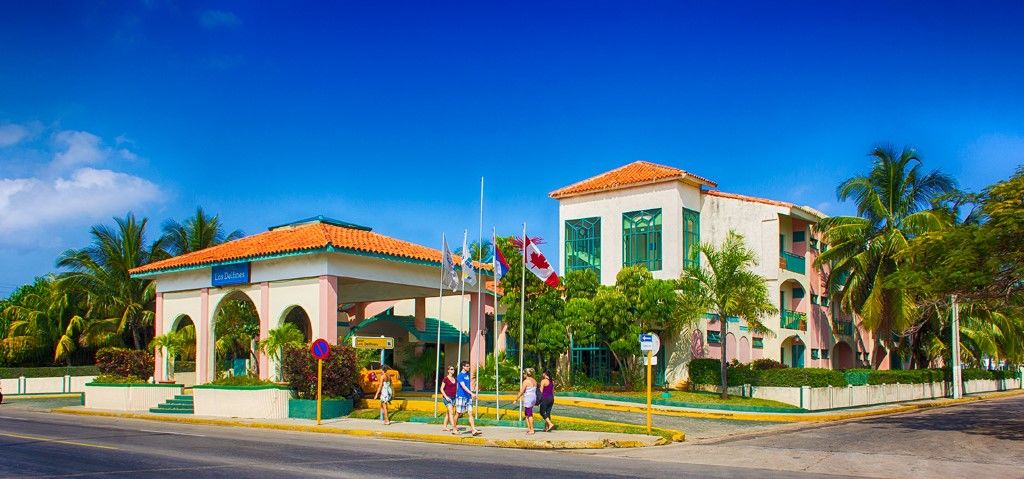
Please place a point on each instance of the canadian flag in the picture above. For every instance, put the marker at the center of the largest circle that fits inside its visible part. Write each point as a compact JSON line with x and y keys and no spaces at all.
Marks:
{"x":538,"y":264}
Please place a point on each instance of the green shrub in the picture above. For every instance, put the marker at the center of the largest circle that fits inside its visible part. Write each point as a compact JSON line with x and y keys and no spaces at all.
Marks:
{"x":125,"y":362}
{"x":765,"y":363}
{"x":184,"y":366}
{"x":115,"y":379}
{"x":299,"y":368}
{"x":857,"y":377}
{"x":796,"y":377}
{"x":705,"y":371}
{"x":906,"y":376}
{"x":49,"y":372}
{"x":508,"y":373}
{"x":241,"y":381}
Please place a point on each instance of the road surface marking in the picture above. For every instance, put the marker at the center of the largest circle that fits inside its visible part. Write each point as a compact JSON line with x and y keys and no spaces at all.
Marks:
{"x":58,"y":441}
{"x":171,"y":433}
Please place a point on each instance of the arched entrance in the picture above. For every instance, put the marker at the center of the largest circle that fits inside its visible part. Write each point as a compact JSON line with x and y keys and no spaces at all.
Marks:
{"x":236,"y":327}
{"x":791,"y":353}
{"x":730,"y":347}
{"x":185,"y":357}
{"x":297,"y":316}
{"x":744,"y":350}
{"x":842,"y":356}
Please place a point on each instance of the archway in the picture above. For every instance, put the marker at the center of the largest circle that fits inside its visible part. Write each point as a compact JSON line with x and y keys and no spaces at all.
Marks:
{"x":235,"y":329}
{"x":791,"y":353}
{"x":744,"y":350}
{"x":185,"y":358}
{"x":297,"y":316}
{"x":842,"y":356}
{"x":793,"y":305}
{"x":730,"y":347}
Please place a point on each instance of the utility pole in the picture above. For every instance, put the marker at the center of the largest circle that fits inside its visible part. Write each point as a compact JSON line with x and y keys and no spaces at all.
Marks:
{"x":957,"y":384}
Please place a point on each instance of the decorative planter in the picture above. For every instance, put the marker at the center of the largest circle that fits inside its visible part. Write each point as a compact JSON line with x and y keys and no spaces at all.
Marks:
{"x":329,"y":409}
{"x":256,"y":402}
{"x":128,"y":397}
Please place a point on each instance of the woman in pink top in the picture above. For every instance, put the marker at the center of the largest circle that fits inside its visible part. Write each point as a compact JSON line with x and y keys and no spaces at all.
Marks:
{"x":448,"y":389}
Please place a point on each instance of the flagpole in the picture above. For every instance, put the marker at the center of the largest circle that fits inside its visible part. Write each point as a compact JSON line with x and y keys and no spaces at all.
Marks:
{"x":462,"y":302}
{"x":522,"y":319}
{"x":440,"y":304}
{"x":497,"y":385}
{"x":479,"y":299}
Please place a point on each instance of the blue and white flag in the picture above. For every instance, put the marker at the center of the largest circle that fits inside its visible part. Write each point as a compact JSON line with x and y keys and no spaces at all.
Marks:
{"x":468,"y":273}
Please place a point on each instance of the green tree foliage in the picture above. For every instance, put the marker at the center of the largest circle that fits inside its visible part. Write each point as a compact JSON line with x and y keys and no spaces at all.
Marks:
{"x":894,"y":204}
{"x":197,"y":232}
{"x":118,"y":302}
{"x":339,"y":371}
{"x":236,"y":325}
{"x":46,"y":316}
{"x":508,"y":373}
{"x":287,"y":334}
{"x":727,"y":285}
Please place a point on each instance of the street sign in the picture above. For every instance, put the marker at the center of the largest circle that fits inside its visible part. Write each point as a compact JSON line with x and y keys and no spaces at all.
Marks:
{"x":650,"y":342}
{"x":320,"y":349}
{"x":371,"y":342}
{"x":654,"y":360}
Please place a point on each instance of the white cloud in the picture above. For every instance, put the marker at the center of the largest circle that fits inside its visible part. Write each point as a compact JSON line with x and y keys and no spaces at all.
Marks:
{"x":78,"y":148}
{"x":211,"y":19}
{"x":11,"y":134}
{"x":87,"y":195}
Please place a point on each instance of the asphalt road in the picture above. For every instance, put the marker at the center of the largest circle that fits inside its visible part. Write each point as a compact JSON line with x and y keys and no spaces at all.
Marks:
{"x":34,"y":443}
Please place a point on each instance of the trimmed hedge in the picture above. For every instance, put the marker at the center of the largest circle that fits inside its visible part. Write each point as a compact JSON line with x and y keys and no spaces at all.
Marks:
{"x":978,"y":373}
{"x":907,"y":376}
{"x":49,"y":372}
{"x":242,"y":381}
{"x":707,"y":372}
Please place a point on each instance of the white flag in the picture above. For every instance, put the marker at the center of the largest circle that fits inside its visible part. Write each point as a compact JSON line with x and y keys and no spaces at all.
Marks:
{"x":451,"y":277}
{"x":468,"y":274}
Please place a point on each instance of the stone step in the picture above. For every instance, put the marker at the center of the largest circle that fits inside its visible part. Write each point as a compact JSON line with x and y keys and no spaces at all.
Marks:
{"x":185,"y":402}
{"x":162,"y":410}
{"x":180,"y":397}
{"x":176,"y":406}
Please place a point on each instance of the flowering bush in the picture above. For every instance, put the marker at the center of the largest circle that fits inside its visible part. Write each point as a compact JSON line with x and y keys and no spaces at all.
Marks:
{"x":123,"y":362}
{"x":299,"y":368}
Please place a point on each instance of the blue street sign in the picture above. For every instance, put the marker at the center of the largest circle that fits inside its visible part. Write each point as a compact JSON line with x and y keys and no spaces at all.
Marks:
{"x":320,"y":349}
{"x":646,"y":338}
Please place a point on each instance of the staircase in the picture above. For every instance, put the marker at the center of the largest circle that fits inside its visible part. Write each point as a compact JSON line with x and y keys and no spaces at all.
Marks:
{"x":181,"y":404}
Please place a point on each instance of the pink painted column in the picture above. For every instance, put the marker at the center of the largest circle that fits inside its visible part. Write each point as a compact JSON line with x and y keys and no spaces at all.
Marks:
{"x":264,"y":359}
{"x":328,"y":321}
{"x":421,"y":314}
{"x":477,"y":341}
{"x":158,"y":329}
{"x":204,"y":351}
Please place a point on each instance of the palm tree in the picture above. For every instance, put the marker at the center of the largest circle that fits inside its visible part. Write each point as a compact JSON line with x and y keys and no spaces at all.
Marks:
{"x":172,"y":342}
{"x":478,"y":251}
{"x":119,"y":303}
{"x":277,"y":339}
{"x":726,"y":285}
{"x":195,"y":233}
{"x":47,"y":315}
{"x":894,"y":204}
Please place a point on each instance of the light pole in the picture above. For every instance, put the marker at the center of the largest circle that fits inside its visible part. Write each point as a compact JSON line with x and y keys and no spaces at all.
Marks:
{"x":957,"y":384}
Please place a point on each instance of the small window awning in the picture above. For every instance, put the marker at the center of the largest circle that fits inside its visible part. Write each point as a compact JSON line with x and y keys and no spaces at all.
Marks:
{"x":448,"y":333}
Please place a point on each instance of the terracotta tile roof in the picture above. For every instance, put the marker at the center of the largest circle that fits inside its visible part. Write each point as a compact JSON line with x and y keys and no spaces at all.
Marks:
{"x":633,"y":174}
{"x":304,"y":237}
{"x":752,"y":199}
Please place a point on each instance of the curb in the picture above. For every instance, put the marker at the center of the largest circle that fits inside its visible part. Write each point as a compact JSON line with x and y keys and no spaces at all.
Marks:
{"x":400,"y":436}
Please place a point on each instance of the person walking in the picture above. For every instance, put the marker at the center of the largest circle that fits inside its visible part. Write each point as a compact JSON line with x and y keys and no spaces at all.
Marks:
{"x":448,"y":391}
{"x":528,"y":393}
{"x":547,"y":399}
{"x":385,"y":393}
{"x":464,"y":400}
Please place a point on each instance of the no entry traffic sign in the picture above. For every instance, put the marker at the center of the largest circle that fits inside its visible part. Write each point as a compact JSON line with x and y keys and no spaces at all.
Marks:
{"x":320,"y":349}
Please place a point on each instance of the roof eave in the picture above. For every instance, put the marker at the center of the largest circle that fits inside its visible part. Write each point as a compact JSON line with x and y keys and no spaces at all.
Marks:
{"x":687,"y":178}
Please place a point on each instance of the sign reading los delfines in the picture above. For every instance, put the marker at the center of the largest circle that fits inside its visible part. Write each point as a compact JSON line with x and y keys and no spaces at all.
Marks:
{"x":230,"y":274}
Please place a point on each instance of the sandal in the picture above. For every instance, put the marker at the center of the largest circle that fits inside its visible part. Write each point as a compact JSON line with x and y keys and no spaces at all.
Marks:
{"x":477,"y":433}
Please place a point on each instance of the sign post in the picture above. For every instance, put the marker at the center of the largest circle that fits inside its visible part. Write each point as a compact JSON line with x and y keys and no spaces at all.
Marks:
{"x":650,"y":343}
{"x":321,"y":350}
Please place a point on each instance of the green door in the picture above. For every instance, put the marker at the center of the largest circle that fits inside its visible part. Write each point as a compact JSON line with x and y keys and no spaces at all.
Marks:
{"x":798,"y":355}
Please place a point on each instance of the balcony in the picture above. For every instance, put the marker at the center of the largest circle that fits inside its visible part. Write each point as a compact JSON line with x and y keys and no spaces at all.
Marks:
{"x":793,"y":320}
{"x":793,"y":262}
{"x":844,"y":328}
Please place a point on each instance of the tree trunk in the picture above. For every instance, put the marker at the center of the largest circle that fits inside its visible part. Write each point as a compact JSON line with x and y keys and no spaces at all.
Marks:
{"x":723,"y":321}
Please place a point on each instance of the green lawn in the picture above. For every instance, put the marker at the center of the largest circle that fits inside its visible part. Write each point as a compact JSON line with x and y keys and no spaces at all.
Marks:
{"x":701,"y":398}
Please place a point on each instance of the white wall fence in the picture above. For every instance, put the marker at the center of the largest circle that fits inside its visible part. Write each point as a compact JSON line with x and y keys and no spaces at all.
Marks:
{"x":59,"y":384}
{"x":129,"y":397}
{"x":823,"y":398}
{"x":242,"y":401}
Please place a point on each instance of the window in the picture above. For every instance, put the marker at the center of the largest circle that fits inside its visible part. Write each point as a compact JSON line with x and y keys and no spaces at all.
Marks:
{"x":814,"y":244}
{"x":814,"y":299}
{"x":691,"y":238}
{"x":758,"y":343}
{"x":641,"y":239}
{"x":798,"y":236}
{"x":714,"y":337}
{"x":824,"y":354}
{"x":814,"y":354}
{"x":583,"y":245}
{"x":798,"y":293}
{"x":824,"y":300}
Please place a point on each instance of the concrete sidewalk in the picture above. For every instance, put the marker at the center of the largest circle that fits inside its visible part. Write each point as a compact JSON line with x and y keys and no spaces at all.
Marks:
{"x":493,"y":436}
{"x":821,"y":416}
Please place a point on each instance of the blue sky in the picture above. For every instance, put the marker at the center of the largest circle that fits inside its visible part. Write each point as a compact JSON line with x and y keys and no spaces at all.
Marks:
{"x":388,"y":114}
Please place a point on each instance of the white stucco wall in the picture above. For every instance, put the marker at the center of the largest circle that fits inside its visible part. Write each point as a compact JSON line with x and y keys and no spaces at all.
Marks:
{"x":128,"y":398}
{"x":270,"y":403}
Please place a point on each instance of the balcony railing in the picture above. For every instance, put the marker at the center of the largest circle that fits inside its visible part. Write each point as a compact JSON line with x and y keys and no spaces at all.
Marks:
{"x":793,"y":262}
{"x":793,"y":320}
{"x":844,"y":328}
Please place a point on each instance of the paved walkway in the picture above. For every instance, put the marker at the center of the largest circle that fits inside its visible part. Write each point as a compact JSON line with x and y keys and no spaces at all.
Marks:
{"x":492,"y":435}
